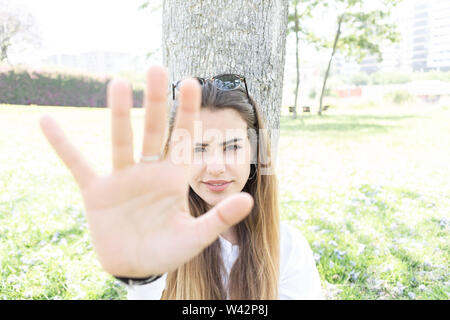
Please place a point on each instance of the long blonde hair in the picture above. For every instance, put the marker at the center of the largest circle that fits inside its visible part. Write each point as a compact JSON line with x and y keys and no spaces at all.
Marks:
{"x":255,"y":274}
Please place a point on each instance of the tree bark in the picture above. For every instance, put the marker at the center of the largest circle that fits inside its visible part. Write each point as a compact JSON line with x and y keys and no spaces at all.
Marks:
{"x":336,"y":39}
{"x":297,"y":62}
{"x":208,"y":37}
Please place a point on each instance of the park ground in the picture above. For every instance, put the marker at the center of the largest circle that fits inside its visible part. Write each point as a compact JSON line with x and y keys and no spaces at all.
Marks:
{"x":368,"y":185}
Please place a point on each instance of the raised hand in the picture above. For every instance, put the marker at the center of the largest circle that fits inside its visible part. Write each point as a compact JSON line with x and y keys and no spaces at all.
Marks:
{"x":138,"y":215}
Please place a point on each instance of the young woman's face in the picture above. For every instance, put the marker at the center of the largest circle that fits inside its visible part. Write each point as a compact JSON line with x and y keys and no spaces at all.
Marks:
{"x":218,"y":163}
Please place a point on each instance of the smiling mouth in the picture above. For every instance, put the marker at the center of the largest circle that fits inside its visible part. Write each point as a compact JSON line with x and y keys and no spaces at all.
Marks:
{"x":216,"y":182}
{"x":217,"y":185}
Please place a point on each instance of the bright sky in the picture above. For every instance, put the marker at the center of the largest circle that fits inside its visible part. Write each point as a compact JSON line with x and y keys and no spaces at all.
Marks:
{"x":74,"y":26}
{"x":78,"y":26}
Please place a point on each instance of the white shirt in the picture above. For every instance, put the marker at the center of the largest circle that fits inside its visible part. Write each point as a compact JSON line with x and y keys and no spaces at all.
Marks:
{"x":299,"y":278}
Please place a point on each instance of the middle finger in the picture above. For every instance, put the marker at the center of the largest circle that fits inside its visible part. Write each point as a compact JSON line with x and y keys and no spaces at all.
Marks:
{"x":155,"y":110}
{"x":120,"y":101}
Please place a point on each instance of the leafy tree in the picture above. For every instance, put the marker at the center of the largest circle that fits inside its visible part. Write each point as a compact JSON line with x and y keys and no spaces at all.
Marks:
{"x":359,"y":31}
{"x":299,"y":10}
{"x":390,"y":77}
{"x":360,"y":78}
{"x":16,"y":28}
{"x":152,"y":6}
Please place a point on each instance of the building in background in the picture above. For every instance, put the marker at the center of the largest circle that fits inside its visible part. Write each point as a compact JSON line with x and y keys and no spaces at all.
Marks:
{"x":425,"y":29}
{"x":429,"y":36}
{"x":97,"y":62}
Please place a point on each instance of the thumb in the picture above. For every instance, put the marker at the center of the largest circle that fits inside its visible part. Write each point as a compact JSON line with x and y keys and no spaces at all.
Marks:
{"x":224,"y":215}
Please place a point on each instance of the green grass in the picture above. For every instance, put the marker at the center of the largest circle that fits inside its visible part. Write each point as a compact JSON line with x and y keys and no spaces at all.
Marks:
{"x":368,"y":186}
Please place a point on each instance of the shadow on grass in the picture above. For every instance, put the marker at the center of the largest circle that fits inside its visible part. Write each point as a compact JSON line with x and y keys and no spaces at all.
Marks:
{"x":342,"y":123}
{"x":410,"y":262}
{"x":336,"y":127}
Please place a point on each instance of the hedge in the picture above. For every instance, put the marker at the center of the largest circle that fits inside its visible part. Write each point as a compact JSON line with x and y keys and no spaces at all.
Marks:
{"x":50,"y":88}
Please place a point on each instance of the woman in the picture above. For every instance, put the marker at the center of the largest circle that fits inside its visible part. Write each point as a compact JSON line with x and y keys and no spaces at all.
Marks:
{"x":205,"y":228}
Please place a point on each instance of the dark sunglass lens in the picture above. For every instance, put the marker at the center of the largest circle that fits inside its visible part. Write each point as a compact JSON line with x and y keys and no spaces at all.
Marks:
{"x":227,"y":82}
{"x":178,"y":84}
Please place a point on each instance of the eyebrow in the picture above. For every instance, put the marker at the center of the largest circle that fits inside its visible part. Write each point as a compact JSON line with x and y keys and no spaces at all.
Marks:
{"x":224,"y":143}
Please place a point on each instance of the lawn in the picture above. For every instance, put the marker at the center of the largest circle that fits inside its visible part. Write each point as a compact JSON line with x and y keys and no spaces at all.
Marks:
{"x":367,"y":186}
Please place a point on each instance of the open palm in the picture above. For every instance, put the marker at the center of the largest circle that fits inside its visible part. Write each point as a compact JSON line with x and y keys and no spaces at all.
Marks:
{"x":138,"y":215}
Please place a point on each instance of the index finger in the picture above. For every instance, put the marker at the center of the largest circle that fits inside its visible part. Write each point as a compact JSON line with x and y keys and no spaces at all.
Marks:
{"x":188,"y":112}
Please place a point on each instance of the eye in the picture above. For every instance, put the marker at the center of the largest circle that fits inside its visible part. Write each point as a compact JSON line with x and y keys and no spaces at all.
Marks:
{"x":233,"y":147}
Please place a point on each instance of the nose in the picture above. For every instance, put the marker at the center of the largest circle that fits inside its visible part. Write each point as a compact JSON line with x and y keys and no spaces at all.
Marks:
{"x":215,"y":164}
{"x":215,"y":169}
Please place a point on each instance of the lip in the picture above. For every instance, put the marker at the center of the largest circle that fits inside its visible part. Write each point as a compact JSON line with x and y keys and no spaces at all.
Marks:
{"x":217,"y":188}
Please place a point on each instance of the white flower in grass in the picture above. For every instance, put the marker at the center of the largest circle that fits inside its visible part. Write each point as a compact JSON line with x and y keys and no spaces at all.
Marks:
{"x":313,"y":228}
{"x":316,"y":257}
{"x":361,"y":249}
{"x":22,"y":229}
{"x":422,"y":287}
{"x":411,"y":295}
{"x":316,"y":244}
{"x":388,"y":268}
{"x":354,"y":275}
{"x":375,"y":283}
{"x":339,"y":254}
{"x":399,"y":288}
{"x":332,"y":243}
{"x":57,"y":254}
{"x":80,"y":296}
{"x":55,"y":237}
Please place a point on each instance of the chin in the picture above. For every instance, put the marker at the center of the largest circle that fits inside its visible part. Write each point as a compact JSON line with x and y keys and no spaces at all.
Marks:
{"x":213,"y":200}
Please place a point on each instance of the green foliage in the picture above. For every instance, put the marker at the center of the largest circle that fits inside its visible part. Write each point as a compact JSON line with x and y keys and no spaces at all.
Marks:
{"x":399,"y":96}
{"x":432,"y":75}
{"x":390,"y":77}
{"x":329,"y":92}
{"x":404,"y":77}
{"x":360,"y":79}
{"x":300,"y":10}
{"x":25,"y":87}
{"x":155,"y":5}
{"x":312,"y":94}
{"x":364,"y":32}
{"x":394,"y":77}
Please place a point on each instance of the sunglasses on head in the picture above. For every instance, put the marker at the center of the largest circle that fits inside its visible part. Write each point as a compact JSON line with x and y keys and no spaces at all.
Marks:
{"x":224,"y":82}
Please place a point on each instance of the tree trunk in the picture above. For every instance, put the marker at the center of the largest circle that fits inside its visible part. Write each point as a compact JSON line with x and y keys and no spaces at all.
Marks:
{"x":209,"y":37}
{"x":297,"y":62}
{"x":336,"y":38}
